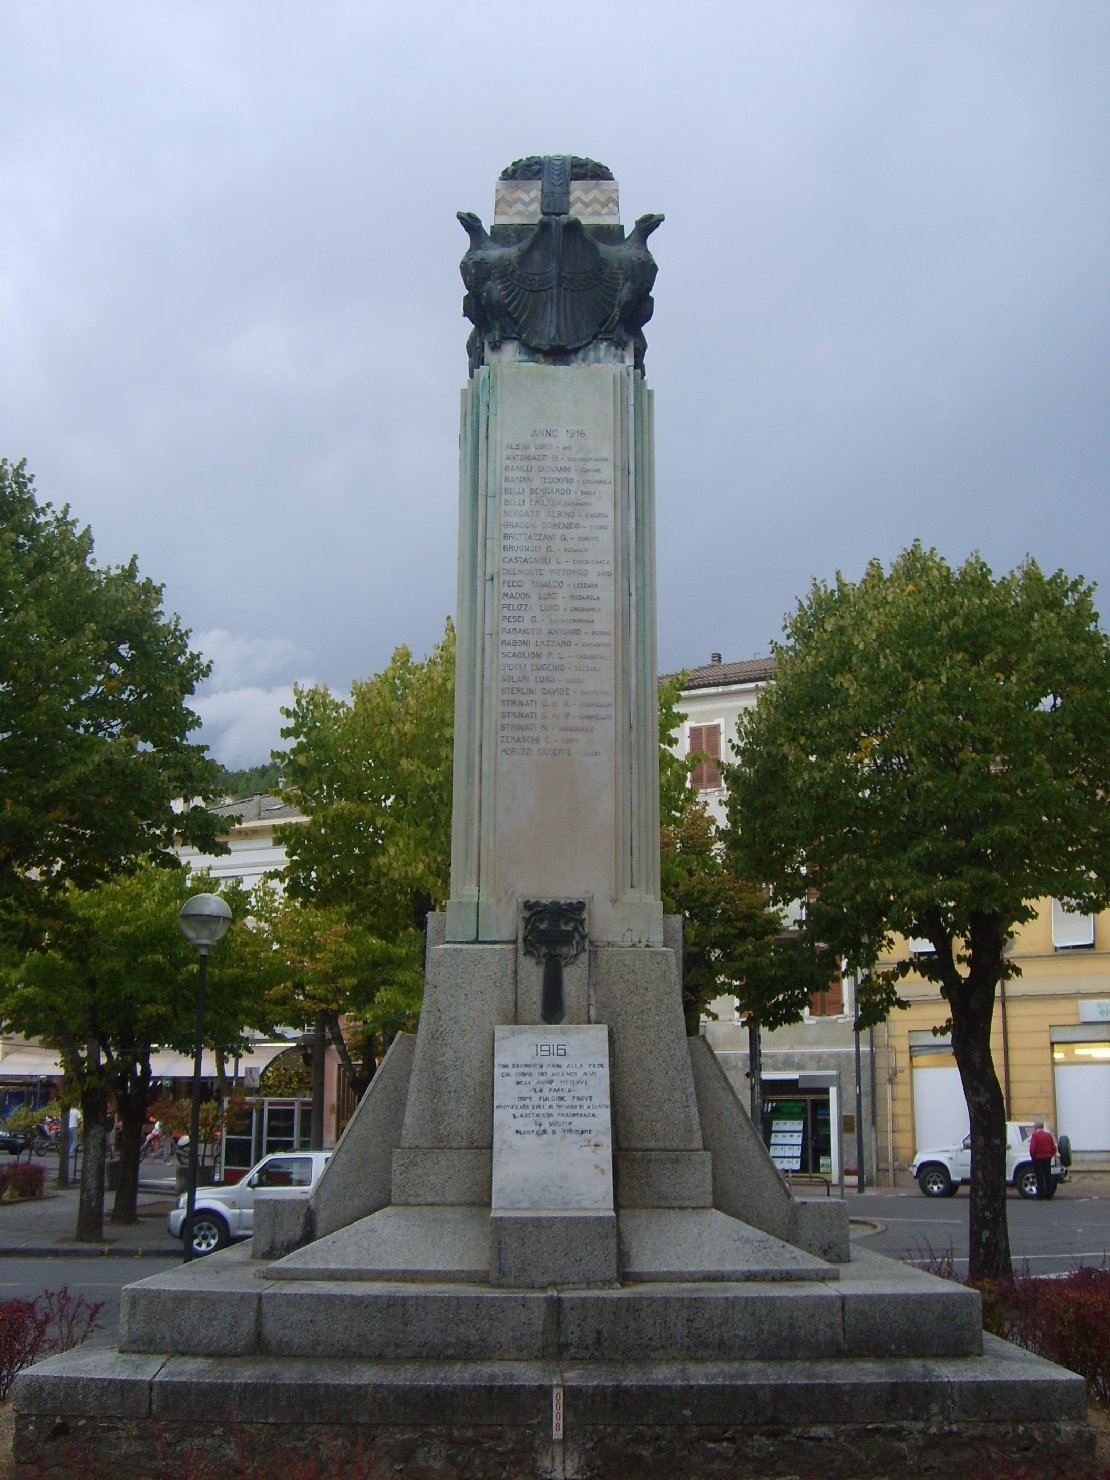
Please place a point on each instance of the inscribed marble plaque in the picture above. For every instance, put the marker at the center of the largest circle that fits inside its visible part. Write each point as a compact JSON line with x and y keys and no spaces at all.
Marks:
{"x":552,"y":1127}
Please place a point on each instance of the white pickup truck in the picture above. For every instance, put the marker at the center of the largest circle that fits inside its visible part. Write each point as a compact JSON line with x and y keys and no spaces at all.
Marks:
{"x":226,"y":1213}
{"x":942,"y":1170}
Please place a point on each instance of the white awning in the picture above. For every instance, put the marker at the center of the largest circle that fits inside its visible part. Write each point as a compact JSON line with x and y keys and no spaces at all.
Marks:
{"x":168,"y":1065}
{"x":43,"y":1063}
{"x":30,"y":1063}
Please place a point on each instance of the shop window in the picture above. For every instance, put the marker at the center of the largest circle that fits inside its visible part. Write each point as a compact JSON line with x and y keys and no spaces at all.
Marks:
{"x":797,"y":1129}
{"x":705,"y":740}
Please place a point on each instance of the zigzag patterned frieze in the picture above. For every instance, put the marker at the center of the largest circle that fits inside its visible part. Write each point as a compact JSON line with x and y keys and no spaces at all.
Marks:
{"x":594,"y":201}
{"x":517,"y":200}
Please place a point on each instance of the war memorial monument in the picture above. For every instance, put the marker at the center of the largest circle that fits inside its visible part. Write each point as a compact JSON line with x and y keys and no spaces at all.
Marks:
{"x":550,"y":1242}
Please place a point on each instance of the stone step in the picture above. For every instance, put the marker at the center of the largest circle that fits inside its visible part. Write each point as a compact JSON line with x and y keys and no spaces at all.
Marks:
{"x":442,"y":1244}
{"x":693,"y":1244}
{"x":221,"y":1306}
{"x":649,"y":1419}
{"x":434,"y":1244}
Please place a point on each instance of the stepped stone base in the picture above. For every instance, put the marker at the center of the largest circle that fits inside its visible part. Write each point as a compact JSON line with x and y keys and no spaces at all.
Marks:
{"x":652,"y":1380}
{"x":862,"y":1419}
{"x":454,"y":1243}
{"x":223,"y":1306}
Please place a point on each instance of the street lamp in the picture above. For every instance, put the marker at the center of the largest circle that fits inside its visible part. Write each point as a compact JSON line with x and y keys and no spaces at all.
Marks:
{"x":204,"y":919}
{"x":861,"y":1175}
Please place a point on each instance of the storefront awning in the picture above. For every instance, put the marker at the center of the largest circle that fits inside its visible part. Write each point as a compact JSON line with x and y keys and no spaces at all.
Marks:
{"x":30,"y":1063}
{"x":43,"y":1063}
{"x":167,"y":1065}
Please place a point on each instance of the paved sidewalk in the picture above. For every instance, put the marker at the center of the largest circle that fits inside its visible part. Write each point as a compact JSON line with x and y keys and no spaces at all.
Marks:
{"x":44,"y":1226}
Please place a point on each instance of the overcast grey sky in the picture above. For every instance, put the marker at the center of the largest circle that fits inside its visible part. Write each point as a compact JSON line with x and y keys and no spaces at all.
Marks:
{"x":230,"y":300}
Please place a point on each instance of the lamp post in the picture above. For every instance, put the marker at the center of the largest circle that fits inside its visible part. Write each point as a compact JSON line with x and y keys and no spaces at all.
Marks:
{"x":204,"y":919}
{"x":859,"y":979}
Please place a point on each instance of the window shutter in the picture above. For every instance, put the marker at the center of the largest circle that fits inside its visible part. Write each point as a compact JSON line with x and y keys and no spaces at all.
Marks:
{"x":705,"y":740}
{"x":830,"y":1002}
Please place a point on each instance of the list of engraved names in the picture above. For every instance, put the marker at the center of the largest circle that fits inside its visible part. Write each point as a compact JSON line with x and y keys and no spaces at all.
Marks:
{"x":557,"y":594}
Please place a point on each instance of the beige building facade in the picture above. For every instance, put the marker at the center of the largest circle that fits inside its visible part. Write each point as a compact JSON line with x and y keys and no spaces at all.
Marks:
{"x":1051,"y":1045}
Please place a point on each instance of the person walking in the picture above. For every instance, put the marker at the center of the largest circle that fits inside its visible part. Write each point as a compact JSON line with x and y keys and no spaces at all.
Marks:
{"x":1042,"y":1148}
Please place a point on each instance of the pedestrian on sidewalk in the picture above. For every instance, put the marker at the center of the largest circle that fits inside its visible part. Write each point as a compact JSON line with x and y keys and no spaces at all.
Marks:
{"x":1042,"y":1148}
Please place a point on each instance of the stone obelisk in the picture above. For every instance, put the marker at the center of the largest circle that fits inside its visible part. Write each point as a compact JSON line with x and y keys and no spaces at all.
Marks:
{"x":546,"y":1129}
{"x":554,"y":916}
{"x":556,"y":761}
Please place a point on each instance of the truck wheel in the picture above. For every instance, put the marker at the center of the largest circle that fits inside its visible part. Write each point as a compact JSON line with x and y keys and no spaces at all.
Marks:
{"x":934,"y":1181}
{"x":1064,"y":1148}
{"x":1025,"y":1180}
{"x":210,"y":1233}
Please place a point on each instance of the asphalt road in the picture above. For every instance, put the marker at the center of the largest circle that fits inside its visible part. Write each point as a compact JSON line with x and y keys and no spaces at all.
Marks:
{"x":1046,"y":1238}
{"x":95,"y":1279}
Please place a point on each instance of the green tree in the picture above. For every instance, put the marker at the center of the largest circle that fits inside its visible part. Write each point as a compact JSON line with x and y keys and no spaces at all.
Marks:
{"x":118,"y":982}
{"x":733,"y":937}
{"x":94,"y":726}
{"x":932,"y":759}
{"x":373,"y":776}
{"x":725,"y":918}
{"x":674,"y":769}
{"x":330,"y":970}
{"x":249,"y":782}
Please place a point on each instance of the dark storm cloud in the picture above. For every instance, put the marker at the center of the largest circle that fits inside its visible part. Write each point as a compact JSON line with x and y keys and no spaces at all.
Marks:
{"x":228,"y":279}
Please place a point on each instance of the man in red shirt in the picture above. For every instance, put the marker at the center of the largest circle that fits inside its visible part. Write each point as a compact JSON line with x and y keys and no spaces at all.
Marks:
{"x":1042,"y":1148}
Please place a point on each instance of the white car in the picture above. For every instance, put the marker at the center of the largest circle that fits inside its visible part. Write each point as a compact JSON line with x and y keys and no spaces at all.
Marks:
{"x":227,"y":1212}
{"x":942,"y":1170}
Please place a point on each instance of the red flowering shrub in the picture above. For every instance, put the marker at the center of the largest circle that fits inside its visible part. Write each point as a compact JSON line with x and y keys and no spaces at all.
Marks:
{"x":70,"y":1318}
{"x":54,"y":1322}
{"x":26,"y":1179}
{"x":22,"y":1339}
{"x":1066,"y":1320}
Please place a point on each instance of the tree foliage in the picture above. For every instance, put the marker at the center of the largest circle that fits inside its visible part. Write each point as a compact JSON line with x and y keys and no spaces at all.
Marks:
{"x":733,"y":939}
{"x":932,"y":759}
{"x":250,"y":781}
{"x":94,"y":724}
{"x":327,"y":966}
{"x":373,"y":775}
{"x":674,"y":769}
{"x":116,"y":983}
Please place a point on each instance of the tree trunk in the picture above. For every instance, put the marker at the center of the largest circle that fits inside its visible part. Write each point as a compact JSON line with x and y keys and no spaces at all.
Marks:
{"x":94,"y":1129}
{"x":319,"y":1049}
{"x":972,"y":1006}
{"x":223,"y":1084}
{"x":358,"y":1082}
{"x":131,"y":1105}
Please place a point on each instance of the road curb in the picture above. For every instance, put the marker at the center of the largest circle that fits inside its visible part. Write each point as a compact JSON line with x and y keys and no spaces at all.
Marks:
{"x":91,"y":1251}
{"x":863,"y":1227}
